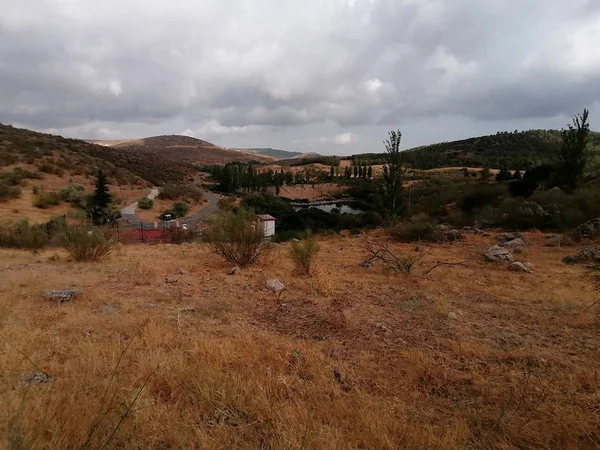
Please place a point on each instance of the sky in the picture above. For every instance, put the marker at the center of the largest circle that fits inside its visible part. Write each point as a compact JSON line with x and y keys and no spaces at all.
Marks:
{"x":326,"y":76}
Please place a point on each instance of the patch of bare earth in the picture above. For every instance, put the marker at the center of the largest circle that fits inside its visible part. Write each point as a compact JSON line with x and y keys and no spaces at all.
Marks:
{"x":353,"y":357}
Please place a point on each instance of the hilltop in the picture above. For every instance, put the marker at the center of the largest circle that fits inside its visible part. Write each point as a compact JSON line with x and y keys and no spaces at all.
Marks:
{"x":76,"y":157}
{"x":516,"y":149}
{"x":185,"y":149}
{"x":272,"y":152}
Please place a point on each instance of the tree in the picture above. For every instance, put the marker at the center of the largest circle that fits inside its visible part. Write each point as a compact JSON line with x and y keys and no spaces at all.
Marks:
{"x":370,"y":172}
{"x":485,"y":174}
{"x":517,"y":175}
{"x":355,"y":171}
{"x":332,"y":172}
{"x":503,"y":175}
{"x":391,"y":190}
{"x":100,"y":208}
{"x":573,"y":155}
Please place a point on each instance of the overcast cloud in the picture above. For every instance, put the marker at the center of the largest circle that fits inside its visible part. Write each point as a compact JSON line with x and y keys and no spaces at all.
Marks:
{"x":331,"y":76}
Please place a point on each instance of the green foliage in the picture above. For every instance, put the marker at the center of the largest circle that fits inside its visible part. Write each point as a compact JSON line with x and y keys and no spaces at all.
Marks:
{"x":236,"y":238}
{"x":227,"y":203}
{"x":100,"y":208}
{"x":391,"y":195}
{"x":180,"y":209}
{"x":74,"y":194}
{"x":145,"y":203}
{"x":304,"y":252}
{"x":86,"y":244}
{"x":8,"y":192}
{"x":46,"y":200}
{"x":503,"y":176}
{"x":481,"y":196}
{"x":24,"y":235}
{"x":573,"y":154}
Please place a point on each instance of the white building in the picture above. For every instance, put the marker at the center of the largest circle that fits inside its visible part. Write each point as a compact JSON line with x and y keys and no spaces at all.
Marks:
{"x":266,"y":223}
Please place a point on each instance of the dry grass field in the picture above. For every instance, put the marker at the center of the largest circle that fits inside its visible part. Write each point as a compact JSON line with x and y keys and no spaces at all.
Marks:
{"x":351,"y":358}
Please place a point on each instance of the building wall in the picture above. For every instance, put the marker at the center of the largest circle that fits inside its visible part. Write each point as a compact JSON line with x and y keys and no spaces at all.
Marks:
{"x":269,"y":228}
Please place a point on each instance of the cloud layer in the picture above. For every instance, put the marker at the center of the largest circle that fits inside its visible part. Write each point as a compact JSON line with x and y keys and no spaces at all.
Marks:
{"x":323,"y":74}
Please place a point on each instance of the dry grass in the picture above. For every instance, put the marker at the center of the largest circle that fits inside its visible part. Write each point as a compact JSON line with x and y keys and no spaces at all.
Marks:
{"x":351,"y":358}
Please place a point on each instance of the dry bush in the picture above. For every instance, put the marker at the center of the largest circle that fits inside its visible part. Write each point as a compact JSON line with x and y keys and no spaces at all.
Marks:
{"x":380,"y":252}
{"x":304,"y":252}
{"x":236,"y":238}
{"x":87,"y":244}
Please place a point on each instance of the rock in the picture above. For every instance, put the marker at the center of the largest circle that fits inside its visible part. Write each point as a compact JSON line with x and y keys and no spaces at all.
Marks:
{"x":107,"y":309}
{"x":295,"y":240}
{"x":38,"y":378}
{"x":589,"y":229}
{"x":586,"y":255}
{"x":450,"y":234}
{"x":183,"y":272}
{"x":556,"y":189}
{"x":61,"y":296}
{"x":171,"y":280}
{"x":507,"y":237}
{"x":520,"y":267}
{"x":366,"y":264}
{"x":558,"y":240}
{"x":382,"y":326}
{"x":472,"y":230}
{"x":276,"y":286}
{"x":233,"y":270}
{"x":515,"y":243}
{"x":498,"y":254}
{"x":453,"y":316}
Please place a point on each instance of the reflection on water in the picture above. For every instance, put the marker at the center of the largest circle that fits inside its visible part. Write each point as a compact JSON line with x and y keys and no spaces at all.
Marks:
{"x":339,"y":208}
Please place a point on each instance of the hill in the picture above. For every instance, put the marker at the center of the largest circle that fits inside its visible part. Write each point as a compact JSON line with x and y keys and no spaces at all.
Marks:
{"x":272,"y":152}
{"x":72,"y":156}
{"x":517,"y":149}
{"x":186,"y":149}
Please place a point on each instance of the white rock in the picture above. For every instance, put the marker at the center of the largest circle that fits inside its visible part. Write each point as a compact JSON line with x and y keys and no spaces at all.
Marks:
{"x":498,"y":254}
{"x":275,"y":285}
{"x":520,"y":267}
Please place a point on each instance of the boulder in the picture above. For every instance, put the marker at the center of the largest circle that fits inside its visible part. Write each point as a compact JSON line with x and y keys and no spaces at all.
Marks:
{"x":498,"y":254}
{"x":520,"y":267}
{"x":589,"y":229}
{"x":276,"y":286}
{"x":558,"y":240}
{"x":61,"y":296}
{"x":586,"y":255}
{"x":506,"y":237}
{"x":514,"y":244}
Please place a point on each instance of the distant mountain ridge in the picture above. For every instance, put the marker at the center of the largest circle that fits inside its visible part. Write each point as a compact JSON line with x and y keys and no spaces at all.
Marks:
{"x":272,"y":152}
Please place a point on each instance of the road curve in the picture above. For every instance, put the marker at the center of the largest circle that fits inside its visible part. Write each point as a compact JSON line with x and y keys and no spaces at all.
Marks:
{"x":129,"y":213}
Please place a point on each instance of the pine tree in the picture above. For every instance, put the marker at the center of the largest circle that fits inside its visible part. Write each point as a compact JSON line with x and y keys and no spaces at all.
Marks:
{"x":101,"y":210}
{"x":517,"y":175}
{"x":573,"y":154}
{"x":391,"y":190}
{"x":355,"y":171}
{"x":370,"y":173}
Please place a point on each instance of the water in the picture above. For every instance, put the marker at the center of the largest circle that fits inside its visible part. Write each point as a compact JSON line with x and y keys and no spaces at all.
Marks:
{"x":341,"y":208}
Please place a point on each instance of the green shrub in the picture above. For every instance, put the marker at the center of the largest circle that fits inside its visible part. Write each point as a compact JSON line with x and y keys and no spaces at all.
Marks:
{"x":236,"y":238}
{"x":419,"y":229}
{"x":180,"y":235}
{"x":87,"y":244}
{"x":145,"y":203}
{"x":74,"y":194}
{"x":227,"y":203}
{"x":46,"y":200}
{"x":47,"y":168}
{"x":180,"y":209}
{"x":304,"y":252}
{"x":8,"y":192}
{"x":481,"y":196}
{"x":24,"y":235}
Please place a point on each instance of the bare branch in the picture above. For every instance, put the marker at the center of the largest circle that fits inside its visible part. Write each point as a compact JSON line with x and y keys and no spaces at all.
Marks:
{"x":460,"y":263}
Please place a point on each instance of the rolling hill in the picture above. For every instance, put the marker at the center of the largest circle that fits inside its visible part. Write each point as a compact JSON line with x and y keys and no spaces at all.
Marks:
{"x":510,"y":149}
{"x":63,"y":156}
{"x":272,"y":152}
{"x":185,"y":149}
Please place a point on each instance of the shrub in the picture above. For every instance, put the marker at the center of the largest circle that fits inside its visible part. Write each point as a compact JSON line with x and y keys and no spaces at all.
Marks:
{"x":180,"y":235}
{"x":87,"y":244}
{"x":24,"y":235}
{"x":227,"y":203}
{"x":74,"y":194}
{"x":145,"y":203}
{"x":236,"y":238}
{"x":46,"y":200}
{"x":420,"y":229}
{"x":180,"y":209}
{"x":8,"y":192}
{"x":47,"y":168}
{"x":303,"y":253}
{"x":481,"y":196}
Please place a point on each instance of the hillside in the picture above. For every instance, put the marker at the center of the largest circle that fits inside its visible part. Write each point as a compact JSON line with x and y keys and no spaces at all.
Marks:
{"x":511,"y":149}
{"x":272,"y":152}
{"x":186,"y":149}
{"x":76,"y":157}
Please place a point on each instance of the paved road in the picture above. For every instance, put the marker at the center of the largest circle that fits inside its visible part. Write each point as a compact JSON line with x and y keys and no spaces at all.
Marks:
{"x":129,"y":212}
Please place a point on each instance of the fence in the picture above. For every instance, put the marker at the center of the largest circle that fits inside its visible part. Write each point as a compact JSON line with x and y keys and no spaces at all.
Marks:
{"x":159,"y":232}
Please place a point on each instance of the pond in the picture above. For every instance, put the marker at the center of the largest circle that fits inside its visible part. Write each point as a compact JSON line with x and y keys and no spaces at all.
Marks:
{"x":341,"y":208}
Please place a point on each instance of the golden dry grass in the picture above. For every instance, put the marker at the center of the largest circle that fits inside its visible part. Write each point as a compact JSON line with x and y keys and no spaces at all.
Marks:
{"x":349,"y":358}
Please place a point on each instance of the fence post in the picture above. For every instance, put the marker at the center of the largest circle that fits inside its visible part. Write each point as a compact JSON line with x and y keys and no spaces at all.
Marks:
{"x":142,"y":230}
{"x":118,"y":236}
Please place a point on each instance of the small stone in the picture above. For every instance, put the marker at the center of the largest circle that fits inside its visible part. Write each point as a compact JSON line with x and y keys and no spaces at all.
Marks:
{"x":452,"y":315}
{"x":520,"y":267}
{"x":183,"y":272}
{"x":38,"y":378}
{"x":171,"y":280}
{"x":382,"y":326}
{"x":295,"y":240}
{"x":108,"y":309}
{"x":61,"y":296}
{"x":275,"y":286}
{"x":233,"y":270}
